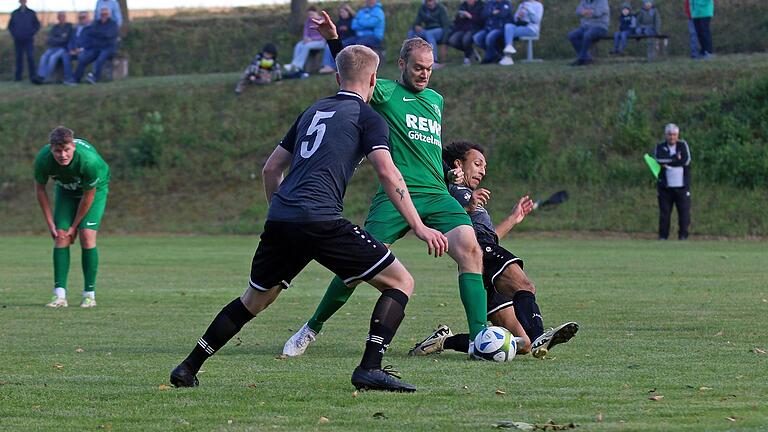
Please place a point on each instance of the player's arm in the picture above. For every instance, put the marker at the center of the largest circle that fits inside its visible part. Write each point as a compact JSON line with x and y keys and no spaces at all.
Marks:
{"x":521,"y":209}
{"x":82,"y":209}
{"x":393,"y":184}
{"x":272,"y":174}
{"x":45,"y":206}
{"x":325,"y":26}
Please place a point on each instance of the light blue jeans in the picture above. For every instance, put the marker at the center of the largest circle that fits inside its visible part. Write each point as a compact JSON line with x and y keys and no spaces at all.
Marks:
{"x":487,"y":41}
{"x":48,"y":61}
{"x":433,"y":36}
{"x":301,"y":52}
{"x":512,"y":31}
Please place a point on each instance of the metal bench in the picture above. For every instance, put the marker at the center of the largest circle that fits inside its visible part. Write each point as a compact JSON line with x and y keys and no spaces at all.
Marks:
{"x":529,"y":56}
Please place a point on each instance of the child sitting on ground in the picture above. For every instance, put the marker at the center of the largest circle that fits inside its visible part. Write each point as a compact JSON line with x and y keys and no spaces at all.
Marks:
{"x":263,"y":69}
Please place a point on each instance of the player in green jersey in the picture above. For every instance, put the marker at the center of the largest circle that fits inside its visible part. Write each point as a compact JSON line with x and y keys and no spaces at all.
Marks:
{"x":414,"y":115}
{"x":82,"y":185}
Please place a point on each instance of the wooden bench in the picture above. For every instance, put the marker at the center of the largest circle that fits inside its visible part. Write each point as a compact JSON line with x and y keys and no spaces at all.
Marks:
{"x":658,"y":47}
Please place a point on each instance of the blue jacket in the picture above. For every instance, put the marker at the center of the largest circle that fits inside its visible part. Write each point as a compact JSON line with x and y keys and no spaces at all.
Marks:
{"x":100,"y":35}
{"x":497,"y":21}
{"x":114,"y":9}
{"x":78,"y":38}
{"x":60,"y":35}
{"x":370,"y":21}
{"x":23,"y":24}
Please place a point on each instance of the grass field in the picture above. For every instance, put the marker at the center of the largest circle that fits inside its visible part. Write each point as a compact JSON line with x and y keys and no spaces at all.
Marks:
{"x":685,"y":321}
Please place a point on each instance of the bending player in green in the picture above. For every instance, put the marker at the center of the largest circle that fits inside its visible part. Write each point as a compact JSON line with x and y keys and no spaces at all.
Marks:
{"x":82,"y":185}
{"x":414,"y":115}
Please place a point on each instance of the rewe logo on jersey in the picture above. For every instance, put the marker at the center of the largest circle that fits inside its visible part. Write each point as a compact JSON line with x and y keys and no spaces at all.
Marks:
{"x":423,"y":124}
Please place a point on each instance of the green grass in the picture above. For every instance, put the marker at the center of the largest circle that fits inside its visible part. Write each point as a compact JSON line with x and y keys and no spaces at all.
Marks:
{"x":677,"y":319}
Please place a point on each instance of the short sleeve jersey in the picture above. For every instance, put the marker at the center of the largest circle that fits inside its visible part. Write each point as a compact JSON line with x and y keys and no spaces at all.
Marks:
{"x":415,"y":127}
{"x":86,"y":171}
{"x":481,"y":219}
{"x":328,"y":141}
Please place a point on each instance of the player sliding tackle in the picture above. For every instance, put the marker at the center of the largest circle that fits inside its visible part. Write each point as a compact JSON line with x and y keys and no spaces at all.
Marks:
{"x":322,"y":150}
{"x":414,"y":115}
{"x":511,"y":295}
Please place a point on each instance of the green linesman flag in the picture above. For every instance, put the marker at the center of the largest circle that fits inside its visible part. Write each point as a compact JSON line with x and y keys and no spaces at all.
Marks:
{"x":653,"y":165}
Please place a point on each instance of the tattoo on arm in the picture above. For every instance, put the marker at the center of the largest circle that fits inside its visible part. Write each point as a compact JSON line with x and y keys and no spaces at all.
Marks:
{"x":400,"y":192}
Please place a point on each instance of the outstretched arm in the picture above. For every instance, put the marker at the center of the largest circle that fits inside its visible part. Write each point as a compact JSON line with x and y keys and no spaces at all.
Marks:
{"x":393,"y":184}
{"x":325,"y":26}
{"x":521,"y":209}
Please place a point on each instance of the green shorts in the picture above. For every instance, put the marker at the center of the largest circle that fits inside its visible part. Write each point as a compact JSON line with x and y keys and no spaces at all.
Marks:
{"x":438,"y":211}
{"x":65,"y":209}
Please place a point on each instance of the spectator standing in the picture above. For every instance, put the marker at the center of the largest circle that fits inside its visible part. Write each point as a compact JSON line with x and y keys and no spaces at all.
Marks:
{"x":432,"y":25}
{"x":527,"y":23}
{"x":496,"y":14}
{"x":114,"y":10}
{"x":693,"y":37}
{"x":346,"y":34}
{"x":99,"y":45}
{"x":595,"y":15}
{"x":701,"y":13}
{"x":311,"y":40}
{"x":469,"y":20}
{"x":58,"y":40}
{"x":627,"y":22}
{"x":23,"y":26}
{"x":369,"y":24}
{"x":674,"y":184}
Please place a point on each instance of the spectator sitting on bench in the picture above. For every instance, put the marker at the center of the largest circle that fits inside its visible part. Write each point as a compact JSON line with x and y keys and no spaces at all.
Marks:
{"x":346,"y":34}
{"x":595,"y":16}
{"x":527,"y":23}
{"x":369,"y":24}
{"x":99,"y":46}
{"x":469,"y":20}
{"x":263,"y":69}
{"x":114,"y":10}
{"x":432,"y":25}
{"x":312,"y":40}
{"x":496,"y":14}
{"x":58,"y":41}
{"x":648,"y":20}
{"x":627,"y":22}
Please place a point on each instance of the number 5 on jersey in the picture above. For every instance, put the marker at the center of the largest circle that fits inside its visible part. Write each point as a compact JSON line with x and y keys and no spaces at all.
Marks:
{"x":315,"y":127}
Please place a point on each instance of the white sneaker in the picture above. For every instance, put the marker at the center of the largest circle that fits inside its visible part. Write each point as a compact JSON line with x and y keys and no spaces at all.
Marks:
{"x":509,"y":49}
{"x":554,"y":336}
{"x":88,"y":302}
{"x":507,"y":61}
{"x":57,"y":302}
{"x":433,"y":344}
{"x":467,"y":61}
{"x":289,"y":67}
{"x":298,"y":343}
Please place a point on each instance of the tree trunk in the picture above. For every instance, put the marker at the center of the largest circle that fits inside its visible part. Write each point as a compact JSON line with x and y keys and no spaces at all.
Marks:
{"x":298,"y":15}
{"x":126,"y":18}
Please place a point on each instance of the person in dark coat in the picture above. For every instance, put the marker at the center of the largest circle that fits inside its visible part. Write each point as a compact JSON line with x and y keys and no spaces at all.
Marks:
{"x":23,"y":27}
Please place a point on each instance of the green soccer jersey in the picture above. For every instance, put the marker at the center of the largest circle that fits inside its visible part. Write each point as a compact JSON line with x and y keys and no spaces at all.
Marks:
{"x":86,"y":171}
{"x":415,"y":123}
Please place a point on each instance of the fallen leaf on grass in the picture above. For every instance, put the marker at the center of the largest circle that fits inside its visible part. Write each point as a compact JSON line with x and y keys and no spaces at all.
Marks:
{"x":281,"y":357}
{"x":720,"y":333}
{"x":758,"y":351}
{"x":4,"y":382}
{"x":703,"y":388}
{"x":36,"y":407}
{"x":251,"y":385}
{"x":323,"y":420}
{"x":653,"y":390}
{"x":230,"y":421}
{"x":58,"y":366}
{"x":107,"y":426}
{"x":506,"y":424}
{"x":355,"y":393}
{"x":656,"y":398}
{"x":79,"y":350}
{"x":465,"y":388}
{"x":164,"y":387}
{"x":379,"y":415}
{"x":765,"y":300}
{"x":599,"y":417}
{"x":500,"y":392}
{"x":551,"y":425}
{"x":731,"y":418}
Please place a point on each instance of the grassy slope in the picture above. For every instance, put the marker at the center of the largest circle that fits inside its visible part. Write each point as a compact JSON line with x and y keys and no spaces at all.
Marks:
{"x":647,"y":328}
{"x":548,"y":127}
{"x":198,"y":43}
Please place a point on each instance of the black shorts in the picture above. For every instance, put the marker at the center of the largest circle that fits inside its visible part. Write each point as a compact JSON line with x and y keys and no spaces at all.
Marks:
{"x":495,"y":260}
{"x":338,"y":245}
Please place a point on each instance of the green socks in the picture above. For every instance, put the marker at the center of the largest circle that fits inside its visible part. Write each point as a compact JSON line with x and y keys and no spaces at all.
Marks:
{"x":473,"y":297}
{"x":60,"y":267}
{"x":90,"y":267}
{"x":335,"y":296}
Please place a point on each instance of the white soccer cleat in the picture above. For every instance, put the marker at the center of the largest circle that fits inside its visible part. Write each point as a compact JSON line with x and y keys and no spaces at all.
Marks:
{"x":88,"y":302}
{"x":507,"y":61}
{"x":298,"y":343}
{"x":509,"y":49}
{"x":433,"y":344}
{"x":554,"y":336}
{"x":57,"y":302}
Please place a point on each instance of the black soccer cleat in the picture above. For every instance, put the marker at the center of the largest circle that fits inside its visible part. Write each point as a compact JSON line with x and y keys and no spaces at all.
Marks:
{"x":380,"y":379}
{"x":181,"y":376}
{"x":554,"y":336}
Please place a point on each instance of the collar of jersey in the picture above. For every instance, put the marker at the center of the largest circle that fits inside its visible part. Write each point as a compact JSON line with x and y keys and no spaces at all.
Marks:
{"x":349,"y":93}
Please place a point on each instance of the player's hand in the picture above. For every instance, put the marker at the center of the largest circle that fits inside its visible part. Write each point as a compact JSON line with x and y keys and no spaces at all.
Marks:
{"x":418,"y":29}
{"x":325,"y":26}
{"x":71,"y":233}
{"x":480,"y":196}
{"x":52,"y":230}
{"x":437,"y":243}
{"x":522,"y":209}
{"x":456,"y":176}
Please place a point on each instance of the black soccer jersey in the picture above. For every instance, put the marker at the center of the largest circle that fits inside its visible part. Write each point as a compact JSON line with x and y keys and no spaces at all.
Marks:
{"x":327,"y":141}
{"x":481,"y":220}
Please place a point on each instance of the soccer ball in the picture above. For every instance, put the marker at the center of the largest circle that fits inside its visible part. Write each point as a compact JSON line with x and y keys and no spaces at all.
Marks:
{"x":495,"y":344}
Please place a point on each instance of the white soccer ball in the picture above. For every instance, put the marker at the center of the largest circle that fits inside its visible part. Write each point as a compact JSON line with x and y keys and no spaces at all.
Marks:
{"x":495,"y":344}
